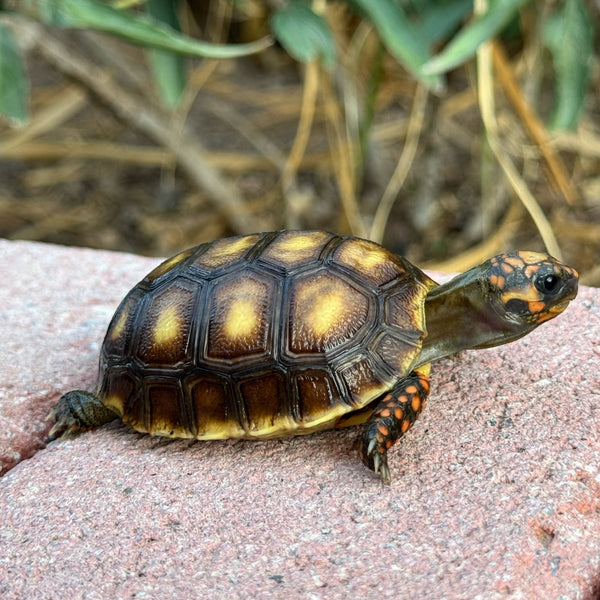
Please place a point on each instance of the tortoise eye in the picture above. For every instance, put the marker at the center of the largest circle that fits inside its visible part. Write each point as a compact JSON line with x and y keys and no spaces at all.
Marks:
{"x":548,"y":284}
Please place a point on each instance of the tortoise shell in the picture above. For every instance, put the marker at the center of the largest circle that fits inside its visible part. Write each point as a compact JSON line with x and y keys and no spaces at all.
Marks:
{"x":262,"y":335}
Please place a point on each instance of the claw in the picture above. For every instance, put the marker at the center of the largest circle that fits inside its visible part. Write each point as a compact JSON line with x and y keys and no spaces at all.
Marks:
{"x":371,"y":448}
{"x":54,"y":429}
{"x":376,"y":462}
{"x":380,"y":466}
{"x":384,"y":471}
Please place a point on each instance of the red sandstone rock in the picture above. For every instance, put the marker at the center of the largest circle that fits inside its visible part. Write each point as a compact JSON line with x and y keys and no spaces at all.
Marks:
{"x":496,"y":490}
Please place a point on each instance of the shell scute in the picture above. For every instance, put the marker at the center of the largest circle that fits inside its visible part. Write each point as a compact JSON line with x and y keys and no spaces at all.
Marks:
{"x":241,"y":315}
{"x":215,"y":414}
{"x":121,"y":328}
{"x":372,"y":262}
{"x":317,"y":394}
{"x":363,"y":381}
{"x":293,"y":249}
{"x":164,"y":328}
{"x":166,"y":413}
{"x":263,"y":397}
{"x":226,"y":252}
{"x":325,"y":312}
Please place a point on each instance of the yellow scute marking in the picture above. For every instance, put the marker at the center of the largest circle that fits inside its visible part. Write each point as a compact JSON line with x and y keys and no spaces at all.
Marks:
{"x":233,"y":246}
{"x":326,"y":310}
{"x":167,"y":327}
{"x":241,"y":319}
{"x":119,"y":326}
{"x":291,"y":247}
{"x":168,"y":264}
{"x":300,"y":242}
{"x":363,"y":256}
{"x":226,"y":251}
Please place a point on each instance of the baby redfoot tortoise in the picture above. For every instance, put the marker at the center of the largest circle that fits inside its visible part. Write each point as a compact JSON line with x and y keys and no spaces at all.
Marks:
{"x":290,"y":332}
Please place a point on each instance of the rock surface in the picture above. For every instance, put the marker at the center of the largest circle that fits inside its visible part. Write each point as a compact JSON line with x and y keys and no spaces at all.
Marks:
{"x":495,"y":491}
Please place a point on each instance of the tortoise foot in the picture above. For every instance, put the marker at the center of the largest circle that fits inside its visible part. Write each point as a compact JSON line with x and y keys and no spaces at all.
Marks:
{"x":392,"y":417}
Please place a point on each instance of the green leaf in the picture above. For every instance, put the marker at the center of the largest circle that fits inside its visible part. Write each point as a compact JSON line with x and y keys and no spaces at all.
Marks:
{"x":438,"y":19}
{"x":464,"y":45}
{"x":135,"y":28}
{"x":569,"y":35}
{"x":303,"y":33}
{"x":14,"y":84}
{"x":401,"y":38}
{"x":168,"y":68}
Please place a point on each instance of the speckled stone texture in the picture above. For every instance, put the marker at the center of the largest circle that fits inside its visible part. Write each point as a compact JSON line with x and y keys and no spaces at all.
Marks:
{"x":495,"y":491}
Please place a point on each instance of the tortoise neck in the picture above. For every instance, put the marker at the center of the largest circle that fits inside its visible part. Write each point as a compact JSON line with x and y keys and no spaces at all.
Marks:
{"x":462,"y":314}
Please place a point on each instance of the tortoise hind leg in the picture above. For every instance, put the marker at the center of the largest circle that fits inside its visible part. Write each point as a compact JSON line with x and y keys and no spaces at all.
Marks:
{"x":392,"y":417}
{"x":77,"y":411}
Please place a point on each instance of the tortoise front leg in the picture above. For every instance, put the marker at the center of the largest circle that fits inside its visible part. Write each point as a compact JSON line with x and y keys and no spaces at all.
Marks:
{"x":392,"y":417}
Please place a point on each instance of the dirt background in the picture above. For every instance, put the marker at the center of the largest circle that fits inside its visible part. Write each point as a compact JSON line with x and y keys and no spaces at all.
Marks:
{"x":102,"y":165}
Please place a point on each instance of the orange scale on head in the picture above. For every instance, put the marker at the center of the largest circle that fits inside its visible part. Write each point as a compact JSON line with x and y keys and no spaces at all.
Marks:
{"x":506,"y":268}
{"x":531,"y":270}
{"x":497,"y":281}
{"x":531,"y":258}
{"x":515,"y":261}
{"x":536,"y":307}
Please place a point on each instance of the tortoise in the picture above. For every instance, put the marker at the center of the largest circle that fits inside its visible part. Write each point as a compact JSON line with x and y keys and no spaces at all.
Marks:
{"x":291,"y":332}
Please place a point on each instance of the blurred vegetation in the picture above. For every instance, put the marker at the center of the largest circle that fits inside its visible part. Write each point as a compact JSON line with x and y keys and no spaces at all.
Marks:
{"x":448,"y":130}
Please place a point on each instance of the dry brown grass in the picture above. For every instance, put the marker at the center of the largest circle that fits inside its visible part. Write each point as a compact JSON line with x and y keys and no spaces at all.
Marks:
{"x":263,"y":143}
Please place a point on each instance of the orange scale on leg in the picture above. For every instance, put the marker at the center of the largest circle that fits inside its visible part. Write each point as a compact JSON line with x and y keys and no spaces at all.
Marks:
{"x":383,"y":430}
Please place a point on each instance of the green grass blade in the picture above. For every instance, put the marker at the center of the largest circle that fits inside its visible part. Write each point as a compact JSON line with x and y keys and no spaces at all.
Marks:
{"x":135,"y":28}
{"x":303,"y":33}
{"x":14,"y":84}
{"x":437,"y":20}
{"x":569,"y":35}
{"x":168,"y":68}
{"x":401,"y":38}
{"x":464,"y":45}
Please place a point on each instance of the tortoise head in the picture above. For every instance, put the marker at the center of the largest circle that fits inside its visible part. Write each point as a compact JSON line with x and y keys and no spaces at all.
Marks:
{"x":496,"y":302}
{"x":528,"y":288}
